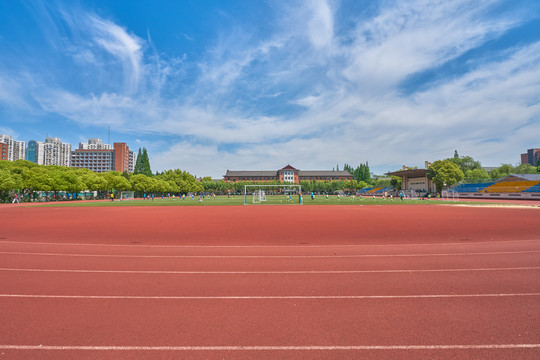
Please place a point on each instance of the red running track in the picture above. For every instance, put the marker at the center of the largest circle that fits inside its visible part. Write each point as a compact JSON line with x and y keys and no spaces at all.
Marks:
{"x":274,"y":282}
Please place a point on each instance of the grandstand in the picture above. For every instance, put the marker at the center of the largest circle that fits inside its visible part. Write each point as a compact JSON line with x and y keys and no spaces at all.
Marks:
{"x":375,"y":191}
{"x":472,"y":188}
{"x":533,"y":189}
{"x":512,"y":186}
{"x":364,"y":190}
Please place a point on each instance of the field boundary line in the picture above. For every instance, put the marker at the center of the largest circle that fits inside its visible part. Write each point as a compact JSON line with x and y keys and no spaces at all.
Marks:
{"x":307,"y":272}
{"x":271,"y":246}
{"x":266,"y":256}
{"x":270,"y":348}
{"x":275,"y":297}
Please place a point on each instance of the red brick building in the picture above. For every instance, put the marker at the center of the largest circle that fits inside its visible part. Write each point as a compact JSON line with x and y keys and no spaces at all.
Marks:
{"x":4,"y":151}
{"x":287,"y":174}
{"x":531,"y":157}
{"x":119,"y":158}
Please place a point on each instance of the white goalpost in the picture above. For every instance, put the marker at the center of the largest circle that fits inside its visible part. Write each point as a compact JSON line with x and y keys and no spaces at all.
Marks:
{"x":273,"y":194}
{"x":126,"y":195}
{"x":259,"y":195}
{"x":450,"y":195}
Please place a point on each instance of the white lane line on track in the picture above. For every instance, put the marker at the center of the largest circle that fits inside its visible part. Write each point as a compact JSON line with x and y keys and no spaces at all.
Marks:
{"x":271,"y":348}
{"x":265,"y":256}
{"x":172,"y":272}
{"x":269,"y":246}
{"x":291,"y":297}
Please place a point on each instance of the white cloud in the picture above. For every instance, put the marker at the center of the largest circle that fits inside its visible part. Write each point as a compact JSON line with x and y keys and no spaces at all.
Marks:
{"x":105,"y":109}
{"x":11,"y":92}
{"x":320,"y":24}
{"x":416,"y":35}
{"x":119,"y":43}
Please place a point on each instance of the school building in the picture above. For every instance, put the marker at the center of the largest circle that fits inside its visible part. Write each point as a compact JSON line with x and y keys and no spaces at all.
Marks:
{"x":287,"y":174}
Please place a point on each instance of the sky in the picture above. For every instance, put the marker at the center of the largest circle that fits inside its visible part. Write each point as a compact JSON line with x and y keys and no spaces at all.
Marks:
{"x":210,"y":86}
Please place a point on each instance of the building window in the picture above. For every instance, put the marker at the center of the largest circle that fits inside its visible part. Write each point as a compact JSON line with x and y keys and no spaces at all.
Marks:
{"x":288,"y":176}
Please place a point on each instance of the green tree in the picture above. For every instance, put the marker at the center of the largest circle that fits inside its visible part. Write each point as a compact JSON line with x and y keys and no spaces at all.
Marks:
{"x":396,"y":182}
{"x":141,"y":183}
{"x":115,"y":181}
{"x":182,"y":181}
{"x":524,"y":169}
{"x":465,"y":163}
{"x":142,"y":165}
{"x":362,"y":173}
{"x":8,"y":182}
{"x":477,"y":175}
{"x":75,"y":181}
{"x":444,"y":173}
{"x":502,"y":171}
{"x":36,"y":179}
{"x":59,"y":179}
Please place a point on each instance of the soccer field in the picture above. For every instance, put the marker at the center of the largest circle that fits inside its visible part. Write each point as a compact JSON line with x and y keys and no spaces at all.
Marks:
{"x":239,"y":200}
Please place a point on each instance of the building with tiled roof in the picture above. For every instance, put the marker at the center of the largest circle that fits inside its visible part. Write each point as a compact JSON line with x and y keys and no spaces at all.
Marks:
{"x":288,"y":174}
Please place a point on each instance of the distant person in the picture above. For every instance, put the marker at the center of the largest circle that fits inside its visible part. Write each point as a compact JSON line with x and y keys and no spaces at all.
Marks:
{"x":15,"y":199}
{"x":112,"y":197}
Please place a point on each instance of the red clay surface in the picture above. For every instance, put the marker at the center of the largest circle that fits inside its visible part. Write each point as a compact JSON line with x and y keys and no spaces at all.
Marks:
{"x":270,"y":282}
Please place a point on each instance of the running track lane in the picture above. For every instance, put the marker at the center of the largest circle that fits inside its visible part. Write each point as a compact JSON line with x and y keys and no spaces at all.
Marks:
{"x":268,"y":225}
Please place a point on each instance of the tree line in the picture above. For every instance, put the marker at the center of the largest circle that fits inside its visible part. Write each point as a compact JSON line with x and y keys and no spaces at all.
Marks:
{"x":317,"y":186}
{"x":32,"y":182}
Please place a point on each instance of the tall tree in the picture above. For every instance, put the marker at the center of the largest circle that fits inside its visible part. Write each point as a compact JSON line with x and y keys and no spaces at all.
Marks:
{"x":138,"y":163}
{"x":465,"y":163}
{"x":142,"y":166}
{"x":362,"y":173}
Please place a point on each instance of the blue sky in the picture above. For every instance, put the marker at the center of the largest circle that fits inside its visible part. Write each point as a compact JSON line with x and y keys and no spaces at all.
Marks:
{"x":208,"y":86}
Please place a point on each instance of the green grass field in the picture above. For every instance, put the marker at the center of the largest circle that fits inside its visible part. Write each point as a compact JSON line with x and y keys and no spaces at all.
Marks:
{"x":239,"y":200}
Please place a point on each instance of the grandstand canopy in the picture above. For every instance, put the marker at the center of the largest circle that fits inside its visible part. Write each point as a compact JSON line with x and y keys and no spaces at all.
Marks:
{"x":520,"y":177}
{"x":410,"y":173}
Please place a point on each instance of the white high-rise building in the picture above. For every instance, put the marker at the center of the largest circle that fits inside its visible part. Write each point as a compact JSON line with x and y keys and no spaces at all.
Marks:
{"x":95,"y":144}
{"x":56,"y":152}
{"x":16,"y":148}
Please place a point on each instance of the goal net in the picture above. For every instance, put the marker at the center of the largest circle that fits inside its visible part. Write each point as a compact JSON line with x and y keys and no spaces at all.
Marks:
{"x":273,"y":194}
{"x":258,"y":196}
{"x":126,"y":195}
{"x":410,"y":194}
{"x":450,"y":195}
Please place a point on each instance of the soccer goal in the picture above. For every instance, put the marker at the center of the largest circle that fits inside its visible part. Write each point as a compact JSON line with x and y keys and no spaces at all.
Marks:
{"x":259,"y":195}
{"x":273,"y":194}
{"x":410,"y":194}
{"x":126,"y":195}
{"x":450,"y":195}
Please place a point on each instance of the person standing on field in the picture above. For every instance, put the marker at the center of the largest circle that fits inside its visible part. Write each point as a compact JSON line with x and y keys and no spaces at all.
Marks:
{"x":15,"y":199}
